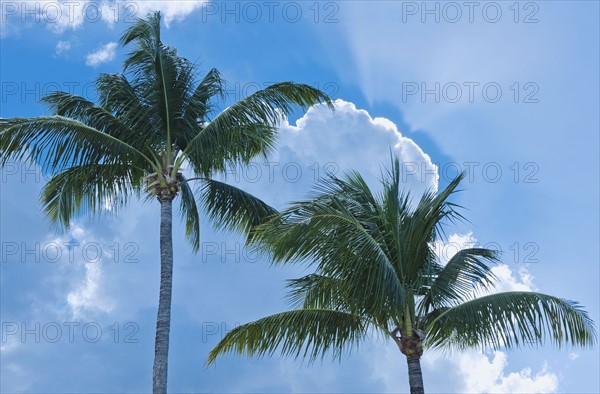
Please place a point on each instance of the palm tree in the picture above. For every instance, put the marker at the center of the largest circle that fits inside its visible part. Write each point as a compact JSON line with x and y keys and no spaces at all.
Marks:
{"x":377,"y":271}
{"x":149,"y":122}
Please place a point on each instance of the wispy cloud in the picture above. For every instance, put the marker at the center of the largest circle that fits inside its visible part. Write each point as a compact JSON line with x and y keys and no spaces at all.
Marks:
{"x":104,"y":54}
{"x":86,"y":292}
{"x":171,"y":10}
{"x":60,"y":16}
{"x":573,"y":356}
{"x":62,"y":47}
{"x":87,"y":296}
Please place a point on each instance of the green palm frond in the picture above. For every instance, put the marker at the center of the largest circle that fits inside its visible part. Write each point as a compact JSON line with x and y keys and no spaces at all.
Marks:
{"x":196,"y":107}
{"x":235,"y":146}
{"x":316,"y":291}
{"x":510,"y":320}
{"x":56,"y":143}
{"x":199,"y":104}
{"x":189,"y":212}
{"x":78,"y":108}
{"x":354,"y":193}
{"x":163,"y":78}
{"x":126,"y":103}
{"x":232,"y":208}
{"x":421,"y":227}
{"x":248,"y":127}
{"x":145,"y":32}
{"x":338,"y":233}
{"x":307,"y":333}
{"x":465,"y":274}
{"x":88,"y":189}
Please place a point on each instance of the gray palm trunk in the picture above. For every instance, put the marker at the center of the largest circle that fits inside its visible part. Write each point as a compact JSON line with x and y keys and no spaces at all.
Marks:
{"x":415,"y":377}
{"x":163,"y":320}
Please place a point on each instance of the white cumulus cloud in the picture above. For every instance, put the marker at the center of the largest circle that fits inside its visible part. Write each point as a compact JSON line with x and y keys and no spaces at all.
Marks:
{"x":350,"y":138}
{"x":104,"y":54}
{"x":483,"y":374}
{"x":325,"y":141}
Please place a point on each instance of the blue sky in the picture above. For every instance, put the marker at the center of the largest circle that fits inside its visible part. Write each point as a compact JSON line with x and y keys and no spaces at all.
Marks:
{"x":508,"y":91}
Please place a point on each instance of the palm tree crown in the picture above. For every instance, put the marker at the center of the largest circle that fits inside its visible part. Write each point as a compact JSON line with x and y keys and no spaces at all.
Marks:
{"x":376,"y":269}
{"x":149,"y":122}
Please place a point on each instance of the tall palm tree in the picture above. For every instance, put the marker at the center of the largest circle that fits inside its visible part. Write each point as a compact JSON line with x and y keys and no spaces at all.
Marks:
{"x":377,"y":271}
{"x":151,"y":121}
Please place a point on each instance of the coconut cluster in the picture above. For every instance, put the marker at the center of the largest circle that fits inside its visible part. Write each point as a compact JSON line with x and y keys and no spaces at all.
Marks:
{"x":163,"y":186}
